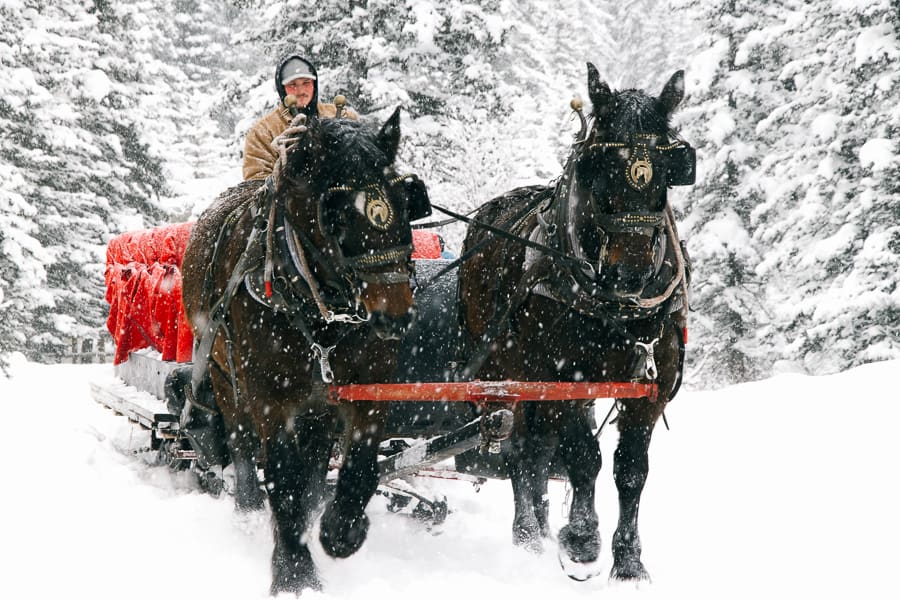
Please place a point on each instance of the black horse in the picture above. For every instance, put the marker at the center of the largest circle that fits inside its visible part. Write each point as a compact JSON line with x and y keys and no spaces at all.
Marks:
{"x":596,"y":292}
{"x":291,"y":286}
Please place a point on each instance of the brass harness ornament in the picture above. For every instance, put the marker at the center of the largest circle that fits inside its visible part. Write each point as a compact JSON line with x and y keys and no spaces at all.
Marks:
{"x":639,"y":169}
{"x":379,"y":211}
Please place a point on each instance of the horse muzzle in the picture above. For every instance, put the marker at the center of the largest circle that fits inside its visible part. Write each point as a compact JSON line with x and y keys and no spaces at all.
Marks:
{"x":626,"y":282}
{"x":388,"y":300}
{"x":388,"y":327}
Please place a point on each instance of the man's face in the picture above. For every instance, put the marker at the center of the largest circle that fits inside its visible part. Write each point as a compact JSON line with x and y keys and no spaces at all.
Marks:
{"x":303,"y":89}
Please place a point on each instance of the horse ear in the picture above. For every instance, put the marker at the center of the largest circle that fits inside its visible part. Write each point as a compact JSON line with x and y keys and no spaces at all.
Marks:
{"x":672,"y":93}
{"x":598,"y":91}
{"x":389,"y":136}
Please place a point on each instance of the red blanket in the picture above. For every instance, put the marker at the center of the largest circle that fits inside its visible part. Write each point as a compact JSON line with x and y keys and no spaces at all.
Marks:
{"x":143,"y":289}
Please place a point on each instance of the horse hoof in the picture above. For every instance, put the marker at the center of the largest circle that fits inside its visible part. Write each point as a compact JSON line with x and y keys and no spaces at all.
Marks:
{"x":293,"y":573}
{"x":341,"y":538}
{"x":580,"y":544}
{"x":249,"y":501}
{"x":579,"y":551}
{"x":629,"y":570}
{"x":295,"y":586}
{"x":528,"y":536}
{"x":533,"y":544}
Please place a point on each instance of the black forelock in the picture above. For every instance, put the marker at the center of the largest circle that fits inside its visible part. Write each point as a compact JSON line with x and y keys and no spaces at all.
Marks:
{"x":635,"y":112}
{"x":352,"y":152}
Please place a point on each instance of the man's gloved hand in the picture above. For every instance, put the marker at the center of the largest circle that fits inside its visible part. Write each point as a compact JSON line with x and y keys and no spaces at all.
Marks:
{"x":290,"y":137}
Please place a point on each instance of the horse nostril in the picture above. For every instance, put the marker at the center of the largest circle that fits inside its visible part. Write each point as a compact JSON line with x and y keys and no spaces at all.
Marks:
{"x":628,"y":281}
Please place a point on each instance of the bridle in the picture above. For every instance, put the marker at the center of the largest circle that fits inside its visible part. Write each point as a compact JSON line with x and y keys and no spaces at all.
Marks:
{"x":646,"y":156}
{"x":303,"y":261}
{"x":365,"y":267}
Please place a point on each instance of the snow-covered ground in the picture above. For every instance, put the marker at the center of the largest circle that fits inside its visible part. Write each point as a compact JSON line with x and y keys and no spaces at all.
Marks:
{"x":785,"y":488}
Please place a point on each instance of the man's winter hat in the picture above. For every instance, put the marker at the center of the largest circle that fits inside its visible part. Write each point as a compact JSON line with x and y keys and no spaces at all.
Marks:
{"x":296,"y":68}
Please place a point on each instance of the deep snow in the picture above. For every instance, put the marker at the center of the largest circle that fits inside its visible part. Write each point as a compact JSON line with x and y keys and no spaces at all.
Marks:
{"x":787,"y":487}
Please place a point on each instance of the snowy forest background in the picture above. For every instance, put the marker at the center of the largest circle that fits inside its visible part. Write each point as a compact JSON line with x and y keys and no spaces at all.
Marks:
{"x":118,"y":115}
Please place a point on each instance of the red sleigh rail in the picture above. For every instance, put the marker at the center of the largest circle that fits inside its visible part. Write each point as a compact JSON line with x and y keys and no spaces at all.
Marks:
{"x":492,"y":391}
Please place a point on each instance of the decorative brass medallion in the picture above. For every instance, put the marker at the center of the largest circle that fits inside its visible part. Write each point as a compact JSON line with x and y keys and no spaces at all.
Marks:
{"x":640,"y":174}
{"x":639,"y":170}
{"x":379,"y":211}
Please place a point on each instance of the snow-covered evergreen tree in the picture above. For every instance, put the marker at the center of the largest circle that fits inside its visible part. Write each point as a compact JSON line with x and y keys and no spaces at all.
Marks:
{"x":74,"y":165}
{"x":100,"y":100}
{"x":719,"y":122}
{"x":827,"y":225}
{"x":794,"y":220}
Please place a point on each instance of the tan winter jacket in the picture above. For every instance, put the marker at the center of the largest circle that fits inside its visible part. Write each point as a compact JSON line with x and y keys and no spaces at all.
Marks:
{"x":259,"y":155}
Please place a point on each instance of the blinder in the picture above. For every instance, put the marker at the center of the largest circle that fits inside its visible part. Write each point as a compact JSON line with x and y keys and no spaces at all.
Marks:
{"x":419,"y":205}
{"x":681,"y":165}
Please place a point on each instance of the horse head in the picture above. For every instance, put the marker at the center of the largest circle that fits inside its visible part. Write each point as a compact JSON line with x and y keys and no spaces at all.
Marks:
{"x":344,"y":195}
{"x":626,"y":163}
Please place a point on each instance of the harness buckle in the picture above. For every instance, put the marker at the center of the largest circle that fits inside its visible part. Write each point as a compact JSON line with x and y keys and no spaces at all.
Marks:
{"x":548,"y":227}
{"x":321,"y":354}
{"x":333,"y":317}
{"x":588,"y":269}
{"x":650,"y":370}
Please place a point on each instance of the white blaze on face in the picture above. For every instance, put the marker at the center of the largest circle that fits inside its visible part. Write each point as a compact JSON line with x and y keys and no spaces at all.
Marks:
{"x":359,"y":202}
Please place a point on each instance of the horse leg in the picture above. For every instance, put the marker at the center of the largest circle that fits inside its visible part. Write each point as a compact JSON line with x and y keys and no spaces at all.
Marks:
{"x":540,"y":497}
{"x":296,"y":464}
{"x":527,"y":464}
{"x":579,"y":539}
{"x":344,"y":524}
{"x":243,"y":447}
{"x":632,"y":464}
{"x":631,"y":467}
{"x":540,"y":473}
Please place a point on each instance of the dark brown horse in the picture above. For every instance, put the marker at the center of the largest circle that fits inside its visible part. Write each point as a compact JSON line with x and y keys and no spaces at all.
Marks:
{"x":291,"y":286}
{"x":596,"y":293}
